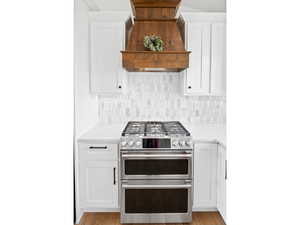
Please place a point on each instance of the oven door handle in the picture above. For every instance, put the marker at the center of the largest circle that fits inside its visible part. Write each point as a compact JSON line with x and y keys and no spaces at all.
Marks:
{"x":154,"y":186}
{"x":189,"y":155}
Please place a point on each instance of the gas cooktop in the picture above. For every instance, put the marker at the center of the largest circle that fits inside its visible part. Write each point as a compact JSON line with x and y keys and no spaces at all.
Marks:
{"x":155,"y":129}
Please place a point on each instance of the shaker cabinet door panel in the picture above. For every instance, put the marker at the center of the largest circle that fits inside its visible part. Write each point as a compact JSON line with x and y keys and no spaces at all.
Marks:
{"x":218,"y":59}
{"x":206,"y":74}
{"x":198,"y":74}
{"x":98,"y":184}
{"x":205,"y":176}
{"x":106,"y":42}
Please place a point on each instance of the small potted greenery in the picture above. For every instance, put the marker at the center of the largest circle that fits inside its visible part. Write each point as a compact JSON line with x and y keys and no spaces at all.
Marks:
{"x":154,"y":43}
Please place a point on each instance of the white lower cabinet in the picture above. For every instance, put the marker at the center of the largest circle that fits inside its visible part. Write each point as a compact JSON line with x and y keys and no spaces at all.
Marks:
{"x":98,"y":179}
{"x":222,"y":176}
{"x":205,"y":176}
{"x":98,"y":184}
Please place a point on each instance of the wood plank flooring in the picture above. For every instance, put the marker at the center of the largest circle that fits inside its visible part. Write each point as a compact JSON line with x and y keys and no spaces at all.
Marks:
{"x":199,"y":218}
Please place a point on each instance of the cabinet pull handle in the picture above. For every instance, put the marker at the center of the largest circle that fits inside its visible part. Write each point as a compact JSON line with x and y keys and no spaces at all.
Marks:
{"x":98,"y":147}
{"x":225,"y":169}
{"x":189,"y":87}
{"x":114,"y":174}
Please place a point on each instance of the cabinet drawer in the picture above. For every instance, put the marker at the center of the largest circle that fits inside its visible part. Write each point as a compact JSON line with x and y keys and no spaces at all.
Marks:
{"x":93,"y":151}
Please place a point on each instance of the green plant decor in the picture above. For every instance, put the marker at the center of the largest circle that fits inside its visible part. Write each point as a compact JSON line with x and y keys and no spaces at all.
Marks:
{"x":154,"y":43}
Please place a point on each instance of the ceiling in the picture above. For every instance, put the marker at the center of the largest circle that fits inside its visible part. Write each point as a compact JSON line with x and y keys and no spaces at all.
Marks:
{"x":199,"y":5}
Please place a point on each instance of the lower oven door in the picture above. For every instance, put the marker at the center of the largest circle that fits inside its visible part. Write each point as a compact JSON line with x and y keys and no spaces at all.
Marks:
{"x":156,"y":165}
{"x":162,"y":201}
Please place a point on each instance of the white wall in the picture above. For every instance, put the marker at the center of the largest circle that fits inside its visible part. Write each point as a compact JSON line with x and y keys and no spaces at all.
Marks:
{"x":206,"y":5}
{"x":201,"y":5}
{"x":85,"y":104}
{"x":158,"y":96}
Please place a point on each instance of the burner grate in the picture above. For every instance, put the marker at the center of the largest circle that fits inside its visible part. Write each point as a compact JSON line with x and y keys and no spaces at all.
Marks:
{"x":155,"y":128}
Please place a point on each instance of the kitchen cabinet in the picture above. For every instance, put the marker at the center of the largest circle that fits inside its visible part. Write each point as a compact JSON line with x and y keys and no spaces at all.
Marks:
{"x":98,"y":178}
{"x":197,"y":76}
{"x":218,"y":59}
{"x":205,"y":176}
{"x":107,"y":39}
{"x":98,"y":184}
{"x":222,"y":176}
{"x":205,"y":37}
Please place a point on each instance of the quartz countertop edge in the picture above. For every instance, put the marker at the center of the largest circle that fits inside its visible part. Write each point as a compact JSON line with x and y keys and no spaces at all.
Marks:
{"x":111,"y":134}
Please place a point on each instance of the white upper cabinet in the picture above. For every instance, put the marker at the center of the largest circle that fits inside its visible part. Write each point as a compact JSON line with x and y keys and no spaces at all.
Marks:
{"x":206,"y":39}
{"x":218,"y":59}
{"x":198,"y":74}
{"x":107,"y":39}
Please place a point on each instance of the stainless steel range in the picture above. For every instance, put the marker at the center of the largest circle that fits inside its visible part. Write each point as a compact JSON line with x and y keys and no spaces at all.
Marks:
{"x":156,"y":167}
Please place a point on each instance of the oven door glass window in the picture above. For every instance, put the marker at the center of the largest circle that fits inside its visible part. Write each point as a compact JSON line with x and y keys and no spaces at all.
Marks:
{"x":156,"y":167}
{"x":156,"y":200}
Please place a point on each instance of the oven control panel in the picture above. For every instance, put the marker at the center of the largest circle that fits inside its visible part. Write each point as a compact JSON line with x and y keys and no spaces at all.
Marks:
{"x":156,"y":143}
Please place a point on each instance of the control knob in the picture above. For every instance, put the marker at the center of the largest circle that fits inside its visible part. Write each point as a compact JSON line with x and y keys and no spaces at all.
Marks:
{"x":175,"y":143}
{"x":123,"y":143}
{"x":189,"y":143}
{"x":138,"y":144}
{"x":130,"y":143}
{"x":182,"y":143}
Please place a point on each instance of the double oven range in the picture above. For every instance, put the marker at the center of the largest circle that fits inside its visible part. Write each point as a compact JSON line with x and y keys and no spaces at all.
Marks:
{"x":156,"y":173}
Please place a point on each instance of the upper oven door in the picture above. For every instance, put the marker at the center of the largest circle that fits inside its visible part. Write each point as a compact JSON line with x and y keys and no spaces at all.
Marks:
{"x":156,"y":165}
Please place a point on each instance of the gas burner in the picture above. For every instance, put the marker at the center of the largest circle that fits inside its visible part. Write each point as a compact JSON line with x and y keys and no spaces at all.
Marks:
{"x":155,"y":129}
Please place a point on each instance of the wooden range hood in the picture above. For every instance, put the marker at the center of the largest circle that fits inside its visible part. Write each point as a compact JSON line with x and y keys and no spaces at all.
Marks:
{"x":155,"y":17}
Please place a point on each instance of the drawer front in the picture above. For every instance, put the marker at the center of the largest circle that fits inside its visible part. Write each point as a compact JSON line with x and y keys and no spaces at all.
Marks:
{"x":93,"y":151}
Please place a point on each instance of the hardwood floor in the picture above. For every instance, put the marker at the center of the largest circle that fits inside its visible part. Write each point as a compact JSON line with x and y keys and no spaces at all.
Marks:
{"x":199,"y":218}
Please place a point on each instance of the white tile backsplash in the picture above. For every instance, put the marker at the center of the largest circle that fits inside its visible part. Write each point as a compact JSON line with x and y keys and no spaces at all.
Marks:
{"x":157,"y":96}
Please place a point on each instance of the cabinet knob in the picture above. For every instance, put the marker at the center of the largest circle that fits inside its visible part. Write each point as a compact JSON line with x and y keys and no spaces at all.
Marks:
{"x":119,"y":86}
{"x":189,"y":87}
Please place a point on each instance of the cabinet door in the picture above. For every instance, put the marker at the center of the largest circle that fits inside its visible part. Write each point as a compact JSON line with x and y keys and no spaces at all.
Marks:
{"x":197,"y":76}
{"x":98,"y":184}
{"x":106,"y":73}
{"x":218,"y":59}
{"x":205,"y":176}
{"x":222,"y":176}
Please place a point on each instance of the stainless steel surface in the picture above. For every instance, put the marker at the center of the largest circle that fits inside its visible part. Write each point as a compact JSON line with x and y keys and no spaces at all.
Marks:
{"x":156,"y":141}
{"x":156,"y":217}
{"x":156,"y":186}
{"x":176,"y":143}
{"x":157,"y":155}
{"x":147,"y":156}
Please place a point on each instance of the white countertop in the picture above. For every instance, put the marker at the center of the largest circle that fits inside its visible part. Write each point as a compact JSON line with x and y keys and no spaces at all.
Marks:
{"x":207,"y":133}
{"x":112,"y":133}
